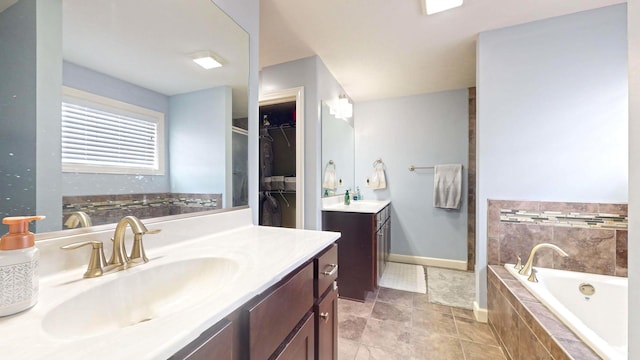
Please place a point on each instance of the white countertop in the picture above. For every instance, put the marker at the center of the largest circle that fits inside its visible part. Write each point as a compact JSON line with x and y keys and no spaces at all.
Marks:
{"x":265,"y":256}
{"x":358,"y":206}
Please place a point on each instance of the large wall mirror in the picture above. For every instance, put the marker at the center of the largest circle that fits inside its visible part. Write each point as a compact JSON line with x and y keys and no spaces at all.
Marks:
{"x":338,"y":153}
{"x":76,"y":72}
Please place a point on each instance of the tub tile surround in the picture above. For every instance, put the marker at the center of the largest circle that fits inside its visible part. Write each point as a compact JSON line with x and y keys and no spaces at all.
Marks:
{"x":527,"y":329}
{"x":595,"y":236}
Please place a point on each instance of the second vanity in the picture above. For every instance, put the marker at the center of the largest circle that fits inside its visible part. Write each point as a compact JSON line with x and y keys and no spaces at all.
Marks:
{"x":364,"y":244}
{"x":214,"y":283}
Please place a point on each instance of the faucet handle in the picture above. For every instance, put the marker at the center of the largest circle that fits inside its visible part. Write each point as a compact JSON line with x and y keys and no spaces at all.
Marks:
{"x":137,"y":251}
{"x":97,"y":260}
{"x":518,"y":265}
{"x":533,"y":277}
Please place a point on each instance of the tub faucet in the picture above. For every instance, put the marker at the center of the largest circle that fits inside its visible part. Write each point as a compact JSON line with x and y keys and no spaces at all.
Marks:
{"x":78,"y":218}
{"x":528,"y":265}
{"x":119,"y":256}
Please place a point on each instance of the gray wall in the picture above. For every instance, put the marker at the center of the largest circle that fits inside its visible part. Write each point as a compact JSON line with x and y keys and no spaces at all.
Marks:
{"x":551,"y":114}
{"x":199,"y":132}
{"x":319,"y":85}
{"x":30,"y":43}
{"x":423,"y":130}
{"x":74,"y":184}
{"x":633,"y":16}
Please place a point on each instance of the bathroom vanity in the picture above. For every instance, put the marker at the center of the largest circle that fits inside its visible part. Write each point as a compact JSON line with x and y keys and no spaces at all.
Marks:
{"x":215,"y":287}
{"x":364,"y":244}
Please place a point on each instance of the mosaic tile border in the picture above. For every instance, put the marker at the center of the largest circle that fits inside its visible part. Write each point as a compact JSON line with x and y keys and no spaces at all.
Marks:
{"x":107,"y":209}
{"x":188,"y":200}
{"x":568,"y":219}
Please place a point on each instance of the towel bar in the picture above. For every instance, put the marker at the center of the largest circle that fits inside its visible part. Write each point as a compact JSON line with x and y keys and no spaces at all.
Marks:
{"x":413,"y":168}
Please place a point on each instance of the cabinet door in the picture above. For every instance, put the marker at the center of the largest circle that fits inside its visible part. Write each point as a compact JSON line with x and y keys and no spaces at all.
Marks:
{"x":301,"y":346}
{"x":326,"y":313}
{"x":275,"y":316}
{"x":380,"y":246}
{"x":214,"y":343}
{"x":387,"y":240}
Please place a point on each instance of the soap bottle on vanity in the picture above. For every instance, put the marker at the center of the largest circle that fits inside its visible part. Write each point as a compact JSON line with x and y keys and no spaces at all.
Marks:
{"x":19,"y":280}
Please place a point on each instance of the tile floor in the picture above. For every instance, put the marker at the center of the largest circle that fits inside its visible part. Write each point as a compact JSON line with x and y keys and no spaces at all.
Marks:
{"x":394,"y":324}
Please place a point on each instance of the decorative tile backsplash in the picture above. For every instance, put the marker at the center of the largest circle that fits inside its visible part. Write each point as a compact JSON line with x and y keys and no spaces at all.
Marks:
{"x":594,"y":235}
{"x":107,"y":209}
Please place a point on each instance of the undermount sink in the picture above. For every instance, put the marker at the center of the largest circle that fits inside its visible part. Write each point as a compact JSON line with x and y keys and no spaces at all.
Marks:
{"x":146,"y":294}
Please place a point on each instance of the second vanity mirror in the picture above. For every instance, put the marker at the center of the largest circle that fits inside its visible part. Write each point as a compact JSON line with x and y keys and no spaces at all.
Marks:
{"x":338,"y":153}
{"x":140,"y":54}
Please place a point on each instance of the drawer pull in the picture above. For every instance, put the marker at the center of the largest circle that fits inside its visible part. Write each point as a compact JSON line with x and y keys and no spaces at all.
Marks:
{"x":334,"y":268}
{"x":324,"y":316}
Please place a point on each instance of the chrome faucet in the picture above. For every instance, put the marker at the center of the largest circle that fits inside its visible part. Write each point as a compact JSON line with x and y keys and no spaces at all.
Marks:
{"x":119,"y":255}
{"x":529,"y":264}
{"x":78,"y":218}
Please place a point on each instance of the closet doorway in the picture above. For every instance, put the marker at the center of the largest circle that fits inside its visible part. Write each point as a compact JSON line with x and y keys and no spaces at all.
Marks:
{"x":281,"y":159}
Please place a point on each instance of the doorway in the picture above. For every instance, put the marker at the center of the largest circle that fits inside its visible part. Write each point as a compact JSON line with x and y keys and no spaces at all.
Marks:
{"x":281,"y":159}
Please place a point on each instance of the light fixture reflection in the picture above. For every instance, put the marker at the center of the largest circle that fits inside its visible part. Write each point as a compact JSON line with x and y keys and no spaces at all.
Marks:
{"x":341,"y":108}
{"x":436,"y":6}
{"x":207,"y":59}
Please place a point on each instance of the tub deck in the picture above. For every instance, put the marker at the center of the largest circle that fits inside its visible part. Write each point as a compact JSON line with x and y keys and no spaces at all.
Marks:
{"x":525,"y":327}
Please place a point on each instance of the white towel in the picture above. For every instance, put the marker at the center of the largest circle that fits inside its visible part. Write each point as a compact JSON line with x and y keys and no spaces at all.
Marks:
{"x":378,"y":180}
{"x":329,"y":181}
{"x":447,"y":186}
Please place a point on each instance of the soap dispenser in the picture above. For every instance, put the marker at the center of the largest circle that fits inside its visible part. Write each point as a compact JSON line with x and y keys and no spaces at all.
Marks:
{"x":19,"y":281}
{"x":347,"y":199}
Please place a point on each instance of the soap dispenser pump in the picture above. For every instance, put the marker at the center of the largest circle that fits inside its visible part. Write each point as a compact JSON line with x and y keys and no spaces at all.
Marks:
{"x":19,"y":282}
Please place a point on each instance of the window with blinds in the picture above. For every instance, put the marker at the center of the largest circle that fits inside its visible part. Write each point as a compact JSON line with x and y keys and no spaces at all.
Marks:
{"x":102,"y":135}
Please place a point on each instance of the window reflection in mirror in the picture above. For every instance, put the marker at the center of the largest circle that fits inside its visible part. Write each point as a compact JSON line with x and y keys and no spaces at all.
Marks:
{"x":338,"y":147}
{"x":134,"y":52}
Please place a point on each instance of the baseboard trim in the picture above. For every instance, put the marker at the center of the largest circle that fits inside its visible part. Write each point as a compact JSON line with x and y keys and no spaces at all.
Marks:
{"x":481,"y":315}
{"x":420,"y":260}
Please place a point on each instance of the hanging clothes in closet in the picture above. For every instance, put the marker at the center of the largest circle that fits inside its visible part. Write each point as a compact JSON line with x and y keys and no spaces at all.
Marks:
{"x":271,"y":211}
{"x":266,"y":156}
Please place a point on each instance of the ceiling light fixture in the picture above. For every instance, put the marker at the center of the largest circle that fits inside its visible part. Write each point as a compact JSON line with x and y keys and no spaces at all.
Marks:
{"x":207,"y":59}
{"x":435,"y":6}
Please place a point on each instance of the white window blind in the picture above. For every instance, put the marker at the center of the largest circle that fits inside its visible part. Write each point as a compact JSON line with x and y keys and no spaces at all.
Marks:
{"x":102,"y":135}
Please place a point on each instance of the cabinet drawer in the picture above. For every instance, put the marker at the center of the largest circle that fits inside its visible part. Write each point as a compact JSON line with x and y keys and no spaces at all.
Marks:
{"x":326,"y":270}
{"x":275,"y":316}
{"x":302,"y":344}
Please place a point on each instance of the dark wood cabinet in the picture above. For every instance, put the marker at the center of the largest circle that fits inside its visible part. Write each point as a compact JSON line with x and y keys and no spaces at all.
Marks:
{"x":383,"y":237}
{"x":326,"y":312}
{"x":326,"y":305}
{"x":215,"y":343}
{"x":364,"y":249}
{"x":302,"y":344}
{"x":287,"y":321}
{"x":274,"y":317}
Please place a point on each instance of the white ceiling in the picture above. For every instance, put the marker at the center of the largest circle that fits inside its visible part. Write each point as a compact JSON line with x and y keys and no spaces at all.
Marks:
{"x":149,"y":43}
{"x":388,"y":48}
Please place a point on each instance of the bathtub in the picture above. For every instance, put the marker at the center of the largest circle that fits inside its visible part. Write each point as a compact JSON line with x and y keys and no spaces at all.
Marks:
{"x":600,"y":320}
